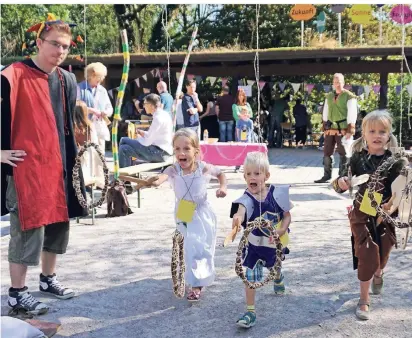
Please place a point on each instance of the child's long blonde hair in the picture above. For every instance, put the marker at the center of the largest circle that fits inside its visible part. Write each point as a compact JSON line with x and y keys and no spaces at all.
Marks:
{"x":376,"y":116}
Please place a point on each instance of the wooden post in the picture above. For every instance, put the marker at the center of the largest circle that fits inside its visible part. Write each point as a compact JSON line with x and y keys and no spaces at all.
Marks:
{"x":383,"y":97}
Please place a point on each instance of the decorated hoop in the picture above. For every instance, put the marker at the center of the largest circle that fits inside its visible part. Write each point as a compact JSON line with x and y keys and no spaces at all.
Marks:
{"x":76,"y":176}
{"x":178,"y":265}
{"x":274,"y":271}
{"x":379,"y":176}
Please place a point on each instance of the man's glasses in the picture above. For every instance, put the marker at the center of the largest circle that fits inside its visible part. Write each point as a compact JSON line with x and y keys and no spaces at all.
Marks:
{"x":58,"y":45}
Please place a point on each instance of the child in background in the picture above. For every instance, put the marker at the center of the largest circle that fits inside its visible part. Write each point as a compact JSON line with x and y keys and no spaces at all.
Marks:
{"x":272,"y":203}
{"x":244,"y":127}
{"x":189,"y":178}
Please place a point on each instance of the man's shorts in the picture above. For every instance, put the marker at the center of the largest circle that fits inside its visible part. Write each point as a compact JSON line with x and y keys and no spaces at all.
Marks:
{"x":25,"y":247}
{"x":256,"y":274}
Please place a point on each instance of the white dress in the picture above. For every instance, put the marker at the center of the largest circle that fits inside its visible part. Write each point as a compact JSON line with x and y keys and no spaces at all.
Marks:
{"x":200,"y":234}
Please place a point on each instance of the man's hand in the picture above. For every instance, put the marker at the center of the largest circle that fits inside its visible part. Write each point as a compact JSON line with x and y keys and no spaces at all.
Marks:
{"x":11,"y":156}
{"x":221,"y":192}
{"x":139,"y":132}
{"x":344,"y":183}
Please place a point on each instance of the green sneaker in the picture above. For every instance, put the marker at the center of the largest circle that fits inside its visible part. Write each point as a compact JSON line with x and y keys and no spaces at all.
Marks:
{"x":247,"y":320}
{"x":279,"y":286}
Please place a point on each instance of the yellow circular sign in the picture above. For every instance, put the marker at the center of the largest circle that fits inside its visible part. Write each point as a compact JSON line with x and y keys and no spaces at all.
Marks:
{"x":361,"y":14}
{"x":302,"y":12}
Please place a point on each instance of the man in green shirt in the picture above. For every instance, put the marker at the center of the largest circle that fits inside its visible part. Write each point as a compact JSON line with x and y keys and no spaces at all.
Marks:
{"x":339,"y":118}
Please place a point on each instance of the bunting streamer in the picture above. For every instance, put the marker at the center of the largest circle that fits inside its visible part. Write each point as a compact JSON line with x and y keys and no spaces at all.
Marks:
{"x":261,"y":84}
{"x":119,"y":101}
{"x":282,"y":86}
{"x":198,"y":79}
{"x":137,"y":82}
{"x":250,"y":82}
{"x":309,"y":87}
{"x":398,"y":89}
{"x":367,"y":91}
{"x":295,"y":87}
{"x":111,"y":93}
{"x":145,"y":77}
{"x":224,"y":81}
{"x":409,"y":89}
{"x":376,"y":89}
{"x":212,"y":80}
{"x":327,"y":88}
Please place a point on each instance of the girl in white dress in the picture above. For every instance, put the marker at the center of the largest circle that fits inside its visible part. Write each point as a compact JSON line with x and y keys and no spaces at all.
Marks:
{"x":194,"y":216}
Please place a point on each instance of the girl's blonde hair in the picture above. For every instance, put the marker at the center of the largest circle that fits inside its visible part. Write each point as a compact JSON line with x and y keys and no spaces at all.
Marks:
{"x":257,"y":159}
{"x":376,"y":116}
{"x":191,"y":135}
{"x":97,"y":68}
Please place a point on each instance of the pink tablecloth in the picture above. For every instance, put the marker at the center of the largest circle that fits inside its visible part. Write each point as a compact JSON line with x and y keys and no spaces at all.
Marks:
{"x":229,"y":154}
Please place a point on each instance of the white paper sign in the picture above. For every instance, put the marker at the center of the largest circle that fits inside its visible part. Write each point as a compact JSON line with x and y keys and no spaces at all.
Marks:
{"x":247,"y":89}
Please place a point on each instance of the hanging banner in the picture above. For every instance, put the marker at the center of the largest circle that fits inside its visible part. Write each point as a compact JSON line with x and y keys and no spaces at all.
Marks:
{"x":261,"y":84}
{"x":198,"y":79}
{"x":361,"y":14}
{"x":295,"y":87}
{"x":321,"y":22}
{"x":250,"y":82}
{"x":367,"y":91}
{"x":247,"y":89}
{"x":376,"y":89}
{"x":327,"y":88}
{"x":409,"y":88}
{"x":282,"y":86}
{"x":224,"y":81}
{"x":137,"y":82}
{"x":401,"y":14}
{"x":212,"y":80}
{"x":338,"y":8}
{"x":302,"y":12}
{"x":309,"y":87}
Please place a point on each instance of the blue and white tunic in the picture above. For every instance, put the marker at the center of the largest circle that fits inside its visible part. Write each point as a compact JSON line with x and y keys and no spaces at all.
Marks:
{"x":260,"y":248}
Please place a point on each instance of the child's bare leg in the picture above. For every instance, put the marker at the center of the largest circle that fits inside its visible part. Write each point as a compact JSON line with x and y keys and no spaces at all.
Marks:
{"x":250,"y":297}
{"x":364,"y":294}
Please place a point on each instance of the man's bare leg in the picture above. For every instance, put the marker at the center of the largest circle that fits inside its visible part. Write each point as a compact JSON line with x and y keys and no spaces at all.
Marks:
{"x":48,"y":263}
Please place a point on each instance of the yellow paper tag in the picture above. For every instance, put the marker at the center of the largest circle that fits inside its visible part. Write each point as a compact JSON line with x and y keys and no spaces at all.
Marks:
{"x":185,"y":210}
{"x":366,"y":206}
{"x":243,"y":135}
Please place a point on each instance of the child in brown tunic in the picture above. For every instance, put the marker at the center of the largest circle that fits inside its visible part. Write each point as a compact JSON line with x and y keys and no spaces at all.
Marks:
{"x":372,"y":242}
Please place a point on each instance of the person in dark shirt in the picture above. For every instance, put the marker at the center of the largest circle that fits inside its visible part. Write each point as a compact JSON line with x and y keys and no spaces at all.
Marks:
{"x":38,"y":154}
{"x":301,"y":122}
{"x":191,"y":107}
{"x":225,"y":115}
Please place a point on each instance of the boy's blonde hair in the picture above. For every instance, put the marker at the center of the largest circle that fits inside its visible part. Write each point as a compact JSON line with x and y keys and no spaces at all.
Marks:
{"x":191,"y":135}
{"x":258,"y":160}
{"x":377,"y":116}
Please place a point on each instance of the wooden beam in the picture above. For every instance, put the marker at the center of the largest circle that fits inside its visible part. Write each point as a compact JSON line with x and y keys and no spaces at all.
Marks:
{"x":303,"y":68}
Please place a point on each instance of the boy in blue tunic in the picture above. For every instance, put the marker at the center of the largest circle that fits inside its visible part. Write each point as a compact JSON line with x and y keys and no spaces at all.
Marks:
{"x":272,"y":203}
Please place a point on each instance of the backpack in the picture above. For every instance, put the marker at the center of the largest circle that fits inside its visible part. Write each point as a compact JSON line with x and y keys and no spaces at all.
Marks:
{"x":117,"y":204}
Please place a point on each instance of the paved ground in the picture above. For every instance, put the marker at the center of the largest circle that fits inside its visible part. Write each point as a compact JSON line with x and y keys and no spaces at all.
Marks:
{"x":120,"y":269}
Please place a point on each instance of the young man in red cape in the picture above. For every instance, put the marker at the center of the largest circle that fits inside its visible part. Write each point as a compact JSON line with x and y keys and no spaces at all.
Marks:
{"x":38,"y":153}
